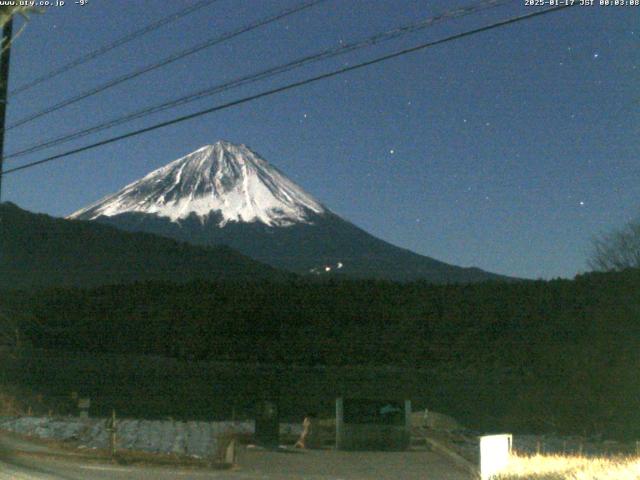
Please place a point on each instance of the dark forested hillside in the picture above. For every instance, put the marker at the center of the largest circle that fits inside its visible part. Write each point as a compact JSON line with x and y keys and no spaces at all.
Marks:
{"x":38,"y":250}
{"x":304,"y":248}
{"x":559,"y":355}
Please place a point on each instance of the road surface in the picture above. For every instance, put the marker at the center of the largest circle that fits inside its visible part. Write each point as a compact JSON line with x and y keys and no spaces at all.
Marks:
{"x":34,"y":462}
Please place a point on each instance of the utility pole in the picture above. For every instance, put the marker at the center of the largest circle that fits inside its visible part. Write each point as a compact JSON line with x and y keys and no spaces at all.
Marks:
{"x":4,"y":84}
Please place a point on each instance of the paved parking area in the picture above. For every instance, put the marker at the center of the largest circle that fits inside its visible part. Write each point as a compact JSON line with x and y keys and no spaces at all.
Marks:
{"x":21,"y":459}
{"x":333,"y":465}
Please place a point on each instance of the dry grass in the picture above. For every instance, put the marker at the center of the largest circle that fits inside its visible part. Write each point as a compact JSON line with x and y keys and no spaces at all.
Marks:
{"x":9,"y":405}
{"x":21,"y":401}
{"x":560,"y":467}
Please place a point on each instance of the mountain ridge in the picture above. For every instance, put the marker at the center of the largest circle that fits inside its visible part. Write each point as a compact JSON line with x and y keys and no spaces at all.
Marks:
{"x":226,"y":194}
{"x":38,"y":251}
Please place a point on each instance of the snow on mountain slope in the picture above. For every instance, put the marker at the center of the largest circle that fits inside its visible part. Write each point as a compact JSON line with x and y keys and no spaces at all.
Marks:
{"x":225,"y":194}
{"x":224,"y":178}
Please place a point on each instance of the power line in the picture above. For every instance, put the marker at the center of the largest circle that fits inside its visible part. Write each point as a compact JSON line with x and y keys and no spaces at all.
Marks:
{"x":166,"y":61}
{"x":117,"y":43}
{"x":290,"y":86}
{"x":237,"y":82}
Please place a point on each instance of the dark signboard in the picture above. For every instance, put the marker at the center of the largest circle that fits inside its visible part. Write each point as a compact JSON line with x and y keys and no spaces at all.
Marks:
{"x":373,"y":412}
{"x":267,"y":423}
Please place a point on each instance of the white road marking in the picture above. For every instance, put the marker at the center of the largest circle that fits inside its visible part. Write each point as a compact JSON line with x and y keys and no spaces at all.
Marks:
{"x":107,"y":468}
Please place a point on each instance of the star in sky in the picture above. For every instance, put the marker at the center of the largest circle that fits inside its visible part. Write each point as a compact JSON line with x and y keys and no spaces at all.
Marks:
{"x":454,"y":79}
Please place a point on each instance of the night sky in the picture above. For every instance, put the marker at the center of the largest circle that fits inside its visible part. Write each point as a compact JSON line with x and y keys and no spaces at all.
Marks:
{"x":507,"y":150}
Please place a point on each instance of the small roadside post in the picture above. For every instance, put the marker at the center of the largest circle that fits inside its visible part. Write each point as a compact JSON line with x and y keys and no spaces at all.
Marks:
{"x":230,"y":453}
{"x":83,"y":406}
{"x":113,"y":430}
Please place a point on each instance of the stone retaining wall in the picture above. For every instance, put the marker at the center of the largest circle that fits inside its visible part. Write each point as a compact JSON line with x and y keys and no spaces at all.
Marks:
{"x":198,"y":439}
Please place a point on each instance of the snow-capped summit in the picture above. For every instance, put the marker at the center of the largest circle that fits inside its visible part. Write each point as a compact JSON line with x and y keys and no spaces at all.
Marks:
{"x":225,"y":194}
{"x":222,"y":178}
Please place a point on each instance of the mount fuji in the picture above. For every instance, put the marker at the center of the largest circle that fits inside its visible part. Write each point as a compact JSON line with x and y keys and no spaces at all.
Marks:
{"x":226,"y":194}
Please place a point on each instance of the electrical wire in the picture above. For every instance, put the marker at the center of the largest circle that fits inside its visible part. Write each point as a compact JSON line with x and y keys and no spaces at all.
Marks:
{"x":287,"y":87}
{"x":110,"y":46}
{"x":164,"y":62}
{"x":264,"y":74}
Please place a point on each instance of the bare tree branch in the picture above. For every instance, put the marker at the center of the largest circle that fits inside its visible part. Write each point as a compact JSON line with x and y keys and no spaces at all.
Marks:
{"x":617,"y":250}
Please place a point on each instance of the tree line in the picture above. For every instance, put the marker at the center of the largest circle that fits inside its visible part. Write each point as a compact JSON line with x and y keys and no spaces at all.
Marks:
{"x":565,"y":347}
